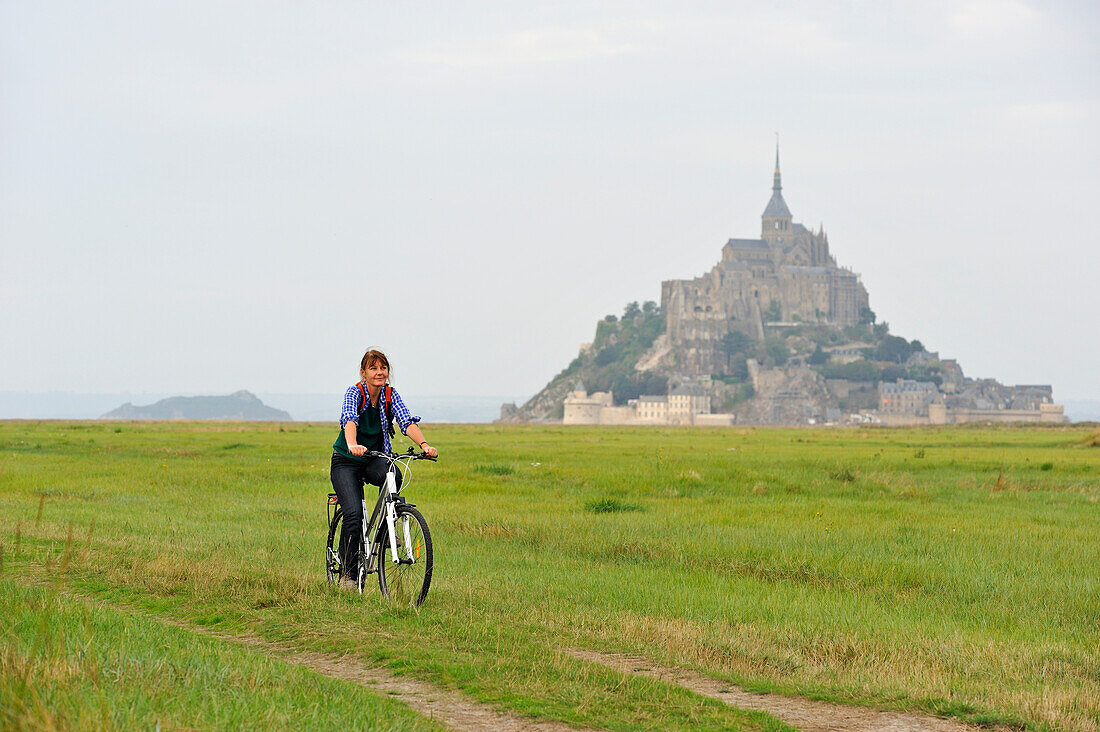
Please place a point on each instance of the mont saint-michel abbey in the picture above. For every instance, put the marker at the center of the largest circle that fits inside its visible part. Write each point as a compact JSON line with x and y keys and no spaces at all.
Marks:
{"x":789,"y":267}
{"x":776,"y":333}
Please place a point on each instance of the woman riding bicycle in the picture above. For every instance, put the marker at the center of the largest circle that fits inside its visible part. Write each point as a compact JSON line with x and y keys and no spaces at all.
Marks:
{"x":366,"y":424}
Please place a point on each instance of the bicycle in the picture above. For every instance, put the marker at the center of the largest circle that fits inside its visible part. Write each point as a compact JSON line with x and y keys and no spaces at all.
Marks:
{"x":395,"y":527}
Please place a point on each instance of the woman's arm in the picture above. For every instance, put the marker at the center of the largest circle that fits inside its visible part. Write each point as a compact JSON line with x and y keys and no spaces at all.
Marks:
{"x":350,"y":432}
{"x":349,"y":421}
{"x":413,"y":431}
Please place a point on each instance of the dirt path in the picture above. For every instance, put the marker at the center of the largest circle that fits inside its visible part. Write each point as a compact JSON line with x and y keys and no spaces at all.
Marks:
{"x":443,"y":705}
{"x":805,"y":714}
{"x":447,"y":707}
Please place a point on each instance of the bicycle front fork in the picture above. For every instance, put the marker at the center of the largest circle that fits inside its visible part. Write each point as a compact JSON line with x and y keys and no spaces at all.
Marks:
{"x":389,"y":515}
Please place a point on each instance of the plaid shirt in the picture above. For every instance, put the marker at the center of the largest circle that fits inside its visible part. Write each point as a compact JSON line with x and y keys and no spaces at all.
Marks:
{"x":352,"y":408}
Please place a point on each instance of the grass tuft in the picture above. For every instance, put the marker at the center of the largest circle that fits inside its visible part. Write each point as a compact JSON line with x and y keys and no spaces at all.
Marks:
{"x":1047,"y":466}
{"x":843,"y":474}
{"x":611,"y":505}
{"x":494,"y":469}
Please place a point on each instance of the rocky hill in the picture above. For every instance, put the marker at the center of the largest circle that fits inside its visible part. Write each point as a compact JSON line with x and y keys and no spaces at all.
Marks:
{"x":609,"y":363}
{"x":777,"y":332}
{"x":242,"y":405}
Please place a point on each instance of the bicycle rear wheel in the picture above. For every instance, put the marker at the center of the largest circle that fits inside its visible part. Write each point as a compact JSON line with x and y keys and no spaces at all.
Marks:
{"x":332,"y":548}
{"x":407,"y":583}
{"x":333,"y":560}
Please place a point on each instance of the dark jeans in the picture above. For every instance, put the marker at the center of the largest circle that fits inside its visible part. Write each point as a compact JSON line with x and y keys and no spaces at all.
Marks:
{"x":348,"y":477}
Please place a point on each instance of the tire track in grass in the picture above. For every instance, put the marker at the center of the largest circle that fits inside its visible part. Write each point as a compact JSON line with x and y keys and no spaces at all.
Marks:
{"x":445,"y":706}
{"x":805,"y":714}
{"x":448,"y":707}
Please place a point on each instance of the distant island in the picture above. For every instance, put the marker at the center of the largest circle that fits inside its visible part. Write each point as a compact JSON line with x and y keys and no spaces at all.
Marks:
{"x":777,"y":333}
{"x":242,"y":405}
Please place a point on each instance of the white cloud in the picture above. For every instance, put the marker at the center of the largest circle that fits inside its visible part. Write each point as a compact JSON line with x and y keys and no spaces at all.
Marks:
{"x":530,"y":46}
{"x":1050,"y":115}
{"x":993,"y":18}
{"x":751,"y":39}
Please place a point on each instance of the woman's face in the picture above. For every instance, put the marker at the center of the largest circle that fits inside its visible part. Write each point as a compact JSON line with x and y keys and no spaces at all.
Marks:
{"x":375,"y":374}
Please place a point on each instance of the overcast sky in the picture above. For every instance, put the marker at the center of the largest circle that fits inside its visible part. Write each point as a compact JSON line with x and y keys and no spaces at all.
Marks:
{"x":202,"y":197}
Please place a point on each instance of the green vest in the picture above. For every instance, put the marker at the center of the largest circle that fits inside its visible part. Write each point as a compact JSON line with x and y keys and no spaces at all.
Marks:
{"x":368,"y":434}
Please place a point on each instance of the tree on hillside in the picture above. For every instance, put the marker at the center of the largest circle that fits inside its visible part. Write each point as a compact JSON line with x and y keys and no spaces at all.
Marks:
{"x":894,"y":349}
{"x":735,"y":345}
{"x":632,"y":311}
{"x":609,"y":354}
{"x":893,"y":373}
{"x":776,"y":349}
{"x":862,"y":370}
{"x":735,"y":342}
{"x":774,"y":313}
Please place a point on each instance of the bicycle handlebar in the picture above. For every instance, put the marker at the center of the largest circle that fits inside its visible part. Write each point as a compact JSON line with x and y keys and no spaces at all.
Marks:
{"x":391,"y":456}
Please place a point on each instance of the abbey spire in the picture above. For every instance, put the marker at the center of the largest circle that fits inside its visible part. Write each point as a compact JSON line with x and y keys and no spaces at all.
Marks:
{"x":776,"y":220}
{"x":777,"y":181}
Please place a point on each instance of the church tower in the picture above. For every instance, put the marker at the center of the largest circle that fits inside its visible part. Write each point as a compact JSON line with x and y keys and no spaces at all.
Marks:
{"x":776,"y":221}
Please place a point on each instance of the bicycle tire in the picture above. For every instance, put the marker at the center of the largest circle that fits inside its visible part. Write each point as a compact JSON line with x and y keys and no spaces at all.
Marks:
{"x":332,"y":549}
{"x":332,"y":553}
{"x":407,"y":584}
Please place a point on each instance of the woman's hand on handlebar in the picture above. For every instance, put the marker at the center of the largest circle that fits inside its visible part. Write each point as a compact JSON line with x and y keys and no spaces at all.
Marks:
{"x":429,"y":450}
{"x":357,"y":450}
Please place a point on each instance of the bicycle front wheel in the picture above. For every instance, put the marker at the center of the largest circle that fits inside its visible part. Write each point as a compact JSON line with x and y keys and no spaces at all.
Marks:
{"x":406,"y":582}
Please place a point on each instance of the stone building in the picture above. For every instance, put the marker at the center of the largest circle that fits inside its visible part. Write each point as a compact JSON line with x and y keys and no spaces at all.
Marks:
{"x":682,"y":406}
{"x":968,"y":400}
{"x":580,"y":407}
{"x":685,"y":401}
{"x":789,"y":265}
{"x":906,"y":396}
{"x":653,"y":409}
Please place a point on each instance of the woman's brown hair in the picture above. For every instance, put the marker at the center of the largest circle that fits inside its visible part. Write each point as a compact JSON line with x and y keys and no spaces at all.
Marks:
{"x":372,"y":355}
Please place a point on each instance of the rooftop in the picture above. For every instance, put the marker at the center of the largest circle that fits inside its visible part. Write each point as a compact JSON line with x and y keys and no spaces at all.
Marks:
{"x":777,"y":206}
{"x":746,"y":244}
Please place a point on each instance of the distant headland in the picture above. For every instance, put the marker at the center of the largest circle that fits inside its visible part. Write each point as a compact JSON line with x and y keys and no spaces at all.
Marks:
{"x":242,"y":405}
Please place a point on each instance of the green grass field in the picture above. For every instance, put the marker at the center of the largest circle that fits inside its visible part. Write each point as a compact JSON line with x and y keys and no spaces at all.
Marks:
{"x":947,"y":571}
